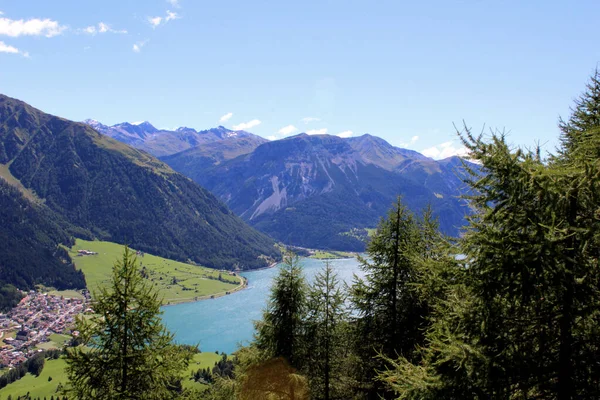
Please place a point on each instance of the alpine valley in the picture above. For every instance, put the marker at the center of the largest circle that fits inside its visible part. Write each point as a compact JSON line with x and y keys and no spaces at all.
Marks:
{"x":319,"y":191}
{"x":62,"y":179}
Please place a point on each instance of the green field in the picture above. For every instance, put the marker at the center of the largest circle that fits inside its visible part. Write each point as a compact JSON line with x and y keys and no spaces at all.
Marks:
{"x":176,"y":281}
{"x":56,"y":341}
{"x":40,"y":386}
{"x":328,"y":255}
{"x":72,"y":294}
{"x":201,"y":360}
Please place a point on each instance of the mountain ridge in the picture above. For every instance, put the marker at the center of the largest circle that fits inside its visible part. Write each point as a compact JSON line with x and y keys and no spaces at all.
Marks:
{"x":293,"y":187}
{"x":122,"y":194}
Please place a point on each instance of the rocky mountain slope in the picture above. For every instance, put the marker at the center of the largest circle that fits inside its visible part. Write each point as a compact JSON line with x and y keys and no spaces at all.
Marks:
{"x":323,"y":191}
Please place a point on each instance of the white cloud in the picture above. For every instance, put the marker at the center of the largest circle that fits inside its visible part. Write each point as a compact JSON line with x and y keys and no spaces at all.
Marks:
{"x":156,"y":21}
{"x":271,"y":137}
{"x":445,"y":150}
{"x":345,"y":134}
{"x":171,"y":16}
{"x":226,"y":117}
{"x":4,"y":48}
{"x":137,"y":47}
{"x":414,"y":139}
{"x":246,"y":125}
{"x":174,"y":3}
{"x":31,"y":27}
{"x":286,"y":130}
{"x":102,"y":28}
{"x":308,"y":120}
{"x":322,"y":131}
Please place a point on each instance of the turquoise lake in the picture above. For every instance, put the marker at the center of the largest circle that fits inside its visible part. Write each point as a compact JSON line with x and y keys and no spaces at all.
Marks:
{"x":222,"y":323}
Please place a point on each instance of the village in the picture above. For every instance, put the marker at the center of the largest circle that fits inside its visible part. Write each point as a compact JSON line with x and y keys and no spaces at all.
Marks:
{"x":31,"y":323}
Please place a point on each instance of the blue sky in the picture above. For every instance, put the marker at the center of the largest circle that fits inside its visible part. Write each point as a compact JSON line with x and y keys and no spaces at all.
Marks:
{"x":404,"y":71}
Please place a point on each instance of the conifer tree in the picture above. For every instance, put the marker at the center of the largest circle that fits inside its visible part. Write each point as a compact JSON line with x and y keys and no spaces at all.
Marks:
{"x":584,"y":121}
{"x":390,"y":316}
{"x":128,"y":353}
{"x":281,"y":331}
{"x":325,"y":323}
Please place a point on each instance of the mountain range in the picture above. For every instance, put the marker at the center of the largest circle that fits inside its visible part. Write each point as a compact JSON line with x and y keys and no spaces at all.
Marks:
{"x":70,"y":174}
{"x":317,"y":191}
{"x":164,"y":142}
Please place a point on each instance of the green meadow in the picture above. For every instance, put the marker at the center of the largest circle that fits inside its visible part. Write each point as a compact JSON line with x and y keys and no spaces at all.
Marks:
{"x":42,"y":386}
{"x":176,"y":281}
{"x":329,"y":255}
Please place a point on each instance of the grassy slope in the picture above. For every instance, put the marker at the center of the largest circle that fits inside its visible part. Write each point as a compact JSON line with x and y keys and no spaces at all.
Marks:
{"x":97,"y":270}
{"x":40,"y":386}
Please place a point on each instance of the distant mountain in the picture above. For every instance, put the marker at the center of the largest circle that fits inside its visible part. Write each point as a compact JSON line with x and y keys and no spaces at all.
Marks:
{"x":122,"y":194}
{"x":162,"y":142}
{"x":323,"y":191}
{"x":194,"y":161}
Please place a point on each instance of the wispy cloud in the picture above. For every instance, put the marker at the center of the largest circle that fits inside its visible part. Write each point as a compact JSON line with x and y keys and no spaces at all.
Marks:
{"x":271,"y":138}
{"x":156,"y":21}
{"x":171,"y":16}
{"x":101,"y":28}
{"x":445,"y":150}
{"x":286,"y":130}
{"x":30,"y":27}
{"x":412,"y":141}
{"x":137,"y":47}
{"x":4,"y":48}
{"x":226,"y":117}
{"x":345,"y":134}
{"x":322,"y":131}
{"x":174,"y":3}
{"x":308,"y":120}
{"x":246,"y":125}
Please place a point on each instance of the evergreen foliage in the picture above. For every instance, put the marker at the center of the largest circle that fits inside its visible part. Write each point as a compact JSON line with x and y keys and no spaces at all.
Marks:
{"x":522,"y":322}
{"x":281,"y":331}
{"x":29,"y":246}
{"x":325,"y":323}
{"x":128,"y":353}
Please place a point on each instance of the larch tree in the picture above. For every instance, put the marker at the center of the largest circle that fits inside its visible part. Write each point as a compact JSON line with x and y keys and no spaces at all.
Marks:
{"x":126,"y":352}
{"x":280,"y":333}
{"x":325,"y":322}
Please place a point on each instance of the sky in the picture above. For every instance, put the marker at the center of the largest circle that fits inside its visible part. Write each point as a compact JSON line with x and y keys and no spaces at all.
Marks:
{"x":408,"y":72}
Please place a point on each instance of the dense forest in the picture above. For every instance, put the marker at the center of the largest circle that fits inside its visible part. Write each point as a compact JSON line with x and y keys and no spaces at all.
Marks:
{"x":29,"y":246}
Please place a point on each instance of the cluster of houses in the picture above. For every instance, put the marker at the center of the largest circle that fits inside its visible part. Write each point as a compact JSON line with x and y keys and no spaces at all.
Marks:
{"x":32,"y":321}
{"x":81,"y":253}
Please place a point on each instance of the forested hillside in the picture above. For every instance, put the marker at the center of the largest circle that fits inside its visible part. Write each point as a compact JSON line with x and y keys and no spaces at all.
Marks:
{"x":29,"y":244}
{"x":122,"y":194}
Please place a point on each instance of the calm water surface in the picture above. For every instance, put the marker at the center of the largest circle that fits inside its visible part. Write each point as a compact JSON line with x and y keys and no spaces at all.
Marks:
{"x":221,"y":323}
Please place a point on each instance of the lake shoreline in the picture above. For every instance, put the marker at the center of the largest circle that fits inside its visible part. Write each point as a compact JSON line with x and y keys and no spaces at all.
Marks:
{"x":243,"y":284}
